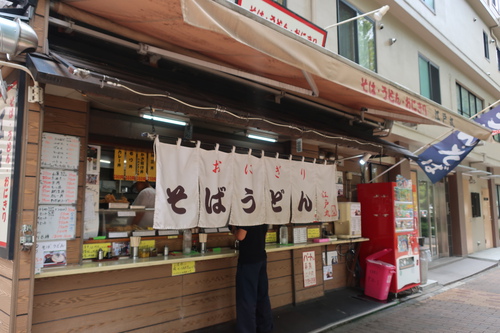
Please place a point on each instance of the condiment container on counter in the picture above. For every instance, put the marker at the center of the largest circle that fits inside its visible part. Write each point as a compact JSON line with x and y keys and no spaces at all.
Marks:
{"x":165,"y":251}
{"x":283,"y":235}
{"x":187,"y":241}
{"x":100,"y":254}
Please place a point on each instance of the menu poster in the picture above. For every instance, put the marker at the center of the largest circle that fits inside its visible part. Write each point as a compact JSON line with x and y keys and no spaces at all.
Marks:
{"x":58,"y":187}
{"x":56,"y":222}
{"x":60,"y":151}
{"x":8,"y":156}
{"x":50,"y":254}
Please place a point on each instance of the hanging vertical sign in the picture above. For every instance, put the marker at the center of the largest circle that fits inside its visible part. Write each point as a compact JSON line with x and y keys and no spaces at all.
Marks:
{"x":142,"y":162}
{"x":278,"y":190}
{"x":303,"y":192}
{"x":248,"y":191}
{"x":119,"y":166}
{"x":8,"y":154}
{"x":326,"y":193}
{"x":216,"y":187}
{"x":151,"y":173}
{"x":177,"y":191}
{"x":130,"y":165}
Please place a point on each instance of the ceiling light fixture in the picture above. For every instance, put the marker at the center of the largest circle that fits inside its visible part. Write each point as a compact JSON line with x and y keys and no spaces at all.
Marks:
{"x":263,"y":137}
{"x":365,"y":158}
{"x":377,"y":15}
{"x":165,"y":120}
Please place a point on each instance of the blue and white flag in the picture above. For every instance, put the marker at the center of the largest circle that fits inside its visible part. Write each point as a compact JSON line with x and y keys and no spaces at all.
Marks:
{"x":491,"y":120}
{"x":439,"y":159}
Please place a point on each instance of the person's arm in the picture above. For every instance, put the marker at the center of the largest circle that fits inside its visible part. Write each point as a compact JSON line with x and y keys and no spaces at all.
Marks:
{"x":240,"y":234}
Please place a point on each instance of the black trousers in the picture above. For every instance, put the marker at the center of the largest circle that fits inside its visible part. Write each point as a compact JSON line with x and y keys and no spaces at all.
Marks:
{"x":253,"y":308}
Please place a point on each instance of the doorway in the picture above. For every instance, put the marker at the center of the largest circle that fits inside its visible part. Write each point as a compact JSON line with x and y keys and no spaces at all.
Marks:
{"x":433,"y":216}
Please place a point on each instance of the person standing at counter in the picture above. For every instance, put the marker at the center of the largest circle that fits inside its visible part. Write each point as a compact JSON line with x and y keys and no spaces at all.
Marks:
{"x":146,"y":198}
{"x":253,"y":307}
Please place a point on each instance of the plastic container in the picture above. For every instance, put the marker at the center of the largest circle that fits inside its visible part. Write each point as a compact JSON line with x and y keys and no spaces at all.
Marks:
{"x":283,"y":235}
{"x":425,"y":258}
{"x":378,"y":276}
{"x":187,"y":241}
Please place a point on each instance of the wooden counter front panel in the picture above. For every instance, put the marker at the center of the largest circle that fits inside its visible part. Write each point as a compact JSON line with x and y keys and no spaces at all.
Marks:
{"x":150,"y":299}
{"x":302,"y":293}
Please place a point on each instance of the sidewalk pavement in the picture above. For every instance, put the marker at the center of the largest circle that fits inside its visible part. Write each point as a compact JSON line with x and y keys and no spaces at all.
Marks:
{"x":345,"y":305}
{"x":466,"y":305}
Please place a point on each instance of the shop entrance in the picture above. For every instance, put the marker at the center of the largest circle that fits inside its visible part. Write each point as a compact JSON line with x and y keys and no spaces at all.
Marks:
{"x":433,"y":216}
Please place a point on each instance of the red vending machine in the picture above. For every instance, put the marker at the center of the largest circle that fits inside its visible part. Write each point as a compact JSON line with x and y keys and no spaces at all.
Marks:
{"x":387,"y":219}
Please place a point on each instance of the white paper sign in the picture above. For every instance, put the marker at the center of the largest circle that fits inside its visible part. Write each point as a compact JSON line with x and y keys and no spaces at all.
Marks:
{"x":58,"y":187}
{"x":309,"y":268}
{"x":56,"y":222}
{"x":60,"y":151}
{"x":50,"y":254}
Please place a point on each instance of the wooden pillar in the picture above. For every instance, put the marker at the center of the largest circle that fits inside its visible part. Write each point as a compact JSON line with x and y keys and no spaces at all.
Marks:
{"x":457,"y":213}
{"x":494,"y":209}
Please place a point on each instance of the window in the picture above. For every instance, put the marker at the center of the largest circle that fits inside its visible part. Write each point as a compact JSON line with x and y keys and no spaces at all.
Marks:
{"x":429,"y":3}
{"x":475,"y":199}
{"x":281,"y":2}
{"x":486,"y":42}
{"x":429,"y":79}
{"x":498,"y":58}
{"x":468,"y":104}
{"x":356,"y":38}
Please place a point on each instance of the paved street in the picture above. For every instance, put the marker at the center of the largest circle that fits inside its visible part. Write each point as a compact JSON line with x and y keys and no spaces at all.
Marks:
{"x":472,"y":305}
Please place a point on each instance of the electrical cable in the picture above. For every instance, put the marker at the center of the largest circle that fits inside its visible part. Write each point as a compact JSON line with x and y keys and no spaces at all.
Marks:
{"x":221,"y":110}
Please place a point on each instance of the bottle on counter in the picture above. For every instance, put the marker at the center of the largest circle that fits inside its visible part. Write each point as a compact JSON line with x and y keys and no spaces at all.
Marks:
{"x":165,"y":251}
{"x":187,"y":241}
{"x":283,"y":235}
{"x":100,"y":254}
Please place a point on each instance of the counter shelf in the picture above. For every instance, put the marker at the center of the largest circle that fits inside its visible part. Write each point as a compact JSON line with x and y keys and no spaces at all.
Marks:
{"x":94,"y":267}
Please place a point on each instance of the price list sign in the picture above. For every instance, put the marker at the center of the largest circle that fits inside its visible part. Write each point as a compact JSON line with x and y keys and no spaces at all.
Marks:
{"x":58,"y":189}
{"x":56,"y":222}
{"x":58,"y":186}
{"x":60,"y":151}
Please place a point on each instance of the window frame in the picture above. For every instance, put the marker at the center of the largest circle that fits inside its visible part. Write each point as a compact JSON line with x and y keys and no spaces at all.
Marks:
{"x":431,"y":4}
{"x":475,"y":199}
{"x":486,"y":42}
{"x":434,"y":81}
{"x":371,"y":60}
{"x":461,"y":99}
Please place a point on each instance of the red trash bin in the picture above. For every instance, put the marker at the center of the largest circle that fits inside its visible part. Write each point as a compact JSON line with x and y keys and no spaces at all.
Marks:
{"x":378,"y":276}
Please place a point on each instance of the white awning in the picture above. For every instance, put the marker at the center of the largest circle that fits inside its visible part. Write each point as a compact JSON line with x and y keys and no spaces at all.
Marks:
{"x":226,"y":34}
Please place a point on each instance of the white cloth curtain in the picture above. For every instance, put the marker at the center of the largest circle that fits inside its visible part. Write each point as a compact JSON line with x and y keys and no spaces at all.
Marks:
{"x":326,"y":193}
{"x":177,"y":194}
{"x":303,"y":192}
{"x":248,"y":205}
{"x":278,"y":190}
{"x":216,"y":187}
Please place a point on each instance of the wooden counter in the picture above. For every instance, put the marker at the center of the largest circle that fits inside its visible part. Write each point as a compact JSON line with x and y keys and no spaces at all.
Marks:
{"x":94,"y":267}
{"x":143,"y":294}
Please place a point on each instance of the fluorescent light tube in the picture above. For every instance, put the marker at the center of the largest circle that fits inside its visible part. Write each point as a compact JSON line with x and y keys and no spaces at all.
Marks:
{"x":262,"y":138}
{"x":165,"y":120}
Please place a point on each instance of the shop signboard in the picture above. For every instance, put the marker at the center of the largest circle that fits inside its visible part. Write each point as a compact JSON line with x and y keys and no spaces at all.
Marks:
{"x":9,"y":154}
{"x":283,"y":17}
